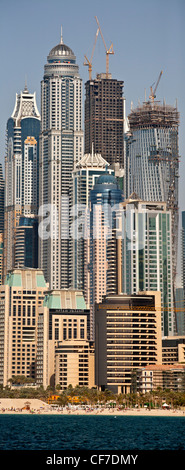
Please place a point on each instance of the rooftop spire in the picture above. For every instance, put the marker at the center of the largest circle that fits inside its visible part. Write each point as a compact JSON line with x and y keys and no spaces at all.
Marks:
{"x":61,"y":38}
{"x":25,"y":86}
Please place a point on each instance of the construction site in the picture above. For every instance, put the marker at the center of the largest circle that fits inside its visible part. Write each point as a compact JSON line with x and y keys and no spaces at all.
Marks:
{"x":154,"y":114}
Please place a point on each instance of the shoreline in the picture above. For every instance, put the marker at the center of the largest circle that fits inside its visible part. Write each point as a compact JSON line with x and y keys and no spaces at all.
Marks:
{"x":22,"y":406}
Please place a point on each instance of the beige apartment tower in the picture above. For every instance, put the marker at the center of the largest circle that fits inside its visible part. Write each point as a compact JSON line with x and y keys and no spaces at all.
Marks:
{"x":20,"y":299}
{"x":128,"y":336}
{"x":65,"y":354}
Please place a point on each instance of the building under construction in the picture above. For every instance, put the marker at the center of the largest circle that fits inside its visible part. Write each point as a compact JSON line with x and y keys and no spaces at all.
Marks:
{"x":104,"y":118}
{"x":152,"y":159}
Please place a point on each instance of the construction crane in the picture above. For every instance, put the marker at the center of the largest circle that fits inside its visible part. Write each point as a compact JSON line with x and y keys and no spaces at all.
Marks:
{"x":153,"y":92}
{"x":108,"y":51}
{"x":89,"y":62}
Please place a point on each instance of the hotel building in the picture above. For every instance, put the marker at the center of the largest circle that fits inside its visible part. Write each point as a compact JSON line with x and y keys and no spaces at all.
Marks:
{"x":20,"y":299}
{"x":127,"y":337}
{"x":65,"y":354}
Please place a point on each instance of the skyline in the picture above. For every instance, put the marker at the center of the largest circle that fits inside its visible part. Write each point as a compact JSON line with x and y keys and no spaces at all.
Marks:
{"x":123,"y":25}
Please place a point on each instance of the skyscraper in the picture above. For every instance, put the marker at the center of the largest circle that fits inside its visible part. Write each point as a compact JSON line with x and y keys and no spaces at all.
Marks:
{"x":183,"y":250}
{"x":101,"y":250}
{"x":21,"y":169}
{"x":104,"y":118}
{"x":85,"y":176}
{"x":2,"y":189}
{"x":147,"y":254}
{"x":152,"y":160}
{"x":182,"y":303}
{"x":61,"y":145}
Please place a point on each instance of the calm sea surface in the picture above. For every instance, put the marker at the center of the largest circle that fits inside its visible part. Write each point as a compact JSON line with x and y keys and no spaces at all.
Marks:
{"x":39,"y":432}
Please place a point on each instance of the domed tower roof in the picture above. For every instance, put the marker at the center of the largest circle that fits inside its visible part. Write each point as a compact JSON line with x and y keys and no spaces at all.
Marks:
{"x":61,"y":51}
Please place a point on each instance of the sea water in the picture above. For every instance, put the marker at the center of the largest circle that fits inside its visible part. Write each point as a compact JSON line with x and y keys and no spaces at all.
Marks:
{"x":61,"y":432}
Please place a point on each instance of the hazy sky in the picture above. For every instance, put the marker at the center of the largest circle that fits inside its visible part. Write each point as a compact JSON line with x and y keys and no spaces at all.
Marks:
{"x":148,"y":36}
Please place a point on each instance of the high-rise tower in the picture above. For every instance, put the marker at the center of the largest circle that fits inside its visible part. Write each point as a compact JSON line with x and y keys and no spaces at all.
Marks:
{"x":147,"y":254}
{"x":85,"y":176}
{"x":152,"y":160}
{"x":183,"y":249}
{"x":2,"y":188}
{"x":102,"y":248}
{"x":21,"y":170}
{"x":104,"y":118}
{"x":61,"y":145}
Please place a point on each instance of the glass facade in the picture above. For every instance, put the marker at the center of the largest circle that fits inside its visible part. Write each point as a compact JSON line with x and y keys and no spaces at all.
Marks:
{"x":21,"y":172}
{"x":101,"y":254}
{"x":85,"y":176}
{"x":147,"y":257}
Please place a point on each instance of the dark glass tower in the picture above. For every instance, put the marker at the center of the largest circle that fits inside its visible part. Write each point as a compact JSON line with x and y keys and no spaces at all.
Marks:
{"x":26,"y":243}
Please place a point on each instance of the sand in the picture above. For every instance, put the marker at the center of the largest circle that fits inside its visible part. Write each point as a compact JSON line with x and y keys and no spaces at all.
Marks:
{"x":19,"y":405}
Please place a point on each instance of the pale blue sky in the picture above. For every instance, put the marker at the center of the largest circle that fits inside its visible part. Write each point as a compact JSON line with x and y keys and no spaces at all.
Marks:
{"x":148,"y":36}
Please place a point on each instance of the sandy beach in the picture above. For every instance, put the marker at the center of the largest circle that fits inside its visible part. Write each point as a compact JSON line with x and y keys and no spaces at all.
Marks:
{"x":35,"y":406}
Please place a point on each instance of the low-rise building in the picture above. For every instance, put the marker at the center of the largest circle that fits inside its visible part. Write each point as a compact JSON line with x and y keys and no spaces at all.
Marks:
{"x":156,"y":376}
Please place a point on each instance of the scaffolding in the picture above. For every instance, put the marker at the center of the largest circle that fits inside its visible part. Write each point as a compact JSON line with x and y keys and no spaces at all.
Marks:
{"x":153,"y":114}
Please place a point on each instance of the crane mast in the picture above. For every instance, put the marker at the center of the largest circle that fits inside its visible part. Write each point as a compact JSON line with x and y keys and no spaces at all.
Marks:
{"x":108,"y":51}
{"x":89,"y":62}
{"x":153,"y":92}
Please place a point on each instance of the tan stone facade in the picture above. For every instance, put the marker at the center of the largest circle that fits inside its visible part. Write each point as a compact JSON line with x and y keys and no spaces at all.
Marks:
{"x":20,"y":299}
{"x":128,"y":336}
{"x":65,"y":354}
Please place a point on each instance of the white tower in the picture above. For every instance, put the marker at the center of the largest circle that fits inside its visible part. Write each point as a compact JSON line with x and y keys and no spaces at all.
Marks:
{"x":61,"y":145}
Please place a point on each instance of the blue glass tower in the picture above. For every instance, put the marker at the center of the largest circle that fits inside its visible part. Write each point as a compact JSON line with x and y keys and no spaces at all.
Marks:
{"x":21,"y":170}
